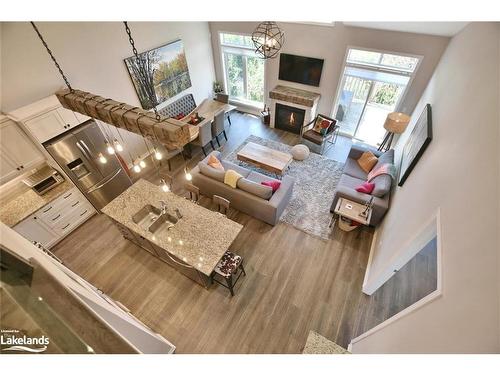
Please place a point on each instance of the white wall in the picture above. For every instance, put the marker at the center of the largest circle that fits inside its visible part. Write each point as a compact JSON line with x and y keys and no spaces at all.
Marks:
{"x":458,"y":173}
{"x":330,"y":44}
{"x":91,"y":54}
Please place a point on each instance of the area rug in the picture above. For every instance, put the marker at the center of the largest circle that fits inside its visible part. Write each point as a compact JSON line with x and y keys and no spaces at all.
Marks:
{"x":317,"y":344}
{"x":315,"y":180}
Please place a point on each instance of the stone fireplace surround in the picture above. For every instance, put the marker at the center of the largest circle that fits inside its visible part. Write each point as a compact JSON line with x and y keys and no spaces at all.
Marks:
{"x":292,"y":97}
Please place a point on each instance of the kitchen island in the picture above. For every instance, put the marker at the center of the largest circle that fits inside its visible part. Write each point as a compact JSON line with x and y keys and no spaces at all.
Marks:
{"x":193,"y":245}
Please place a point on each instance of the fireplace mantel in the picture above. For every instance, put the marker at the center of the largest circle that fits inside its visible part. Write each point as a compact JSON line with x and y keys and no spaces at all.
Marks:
{"x":295,"y":96}
{"x":301,"y":99}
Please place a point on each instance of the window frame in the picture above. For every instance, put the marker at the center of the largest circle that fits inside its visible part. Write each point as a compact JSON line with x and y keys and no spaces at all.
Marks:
{"x":346,"y":64}
{"x":244,"y":51}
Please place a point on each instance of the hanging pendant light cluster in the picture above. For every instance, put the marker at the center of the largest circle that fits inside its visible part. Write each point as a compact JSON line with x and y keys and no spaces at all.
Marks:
{"x":171,"y":132}
{"x":268,"y":39}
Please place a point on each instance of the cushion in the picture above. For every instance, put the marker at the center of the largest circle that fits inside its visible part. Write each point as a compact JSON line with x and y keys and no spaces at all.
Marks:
{"x":313,"y":137}
{"x":261,"y":191}
{"x":211,"y":172}
{"x":386,"y":158}
{"x":382,"y":185}
{"x":275,"y":185}
{"x":386,"y":168}
{"x":228,"y":264}
{"x":258,"y":177}
{"x":300,"y":152}
{"x":366,"y":187}
{"x":367,"y":161}
{"x":214,"y":162}
{"x":228,"y":165}
{"x":231,"y":178}
{"x":321,"y":125}
{"x":352,"y":168}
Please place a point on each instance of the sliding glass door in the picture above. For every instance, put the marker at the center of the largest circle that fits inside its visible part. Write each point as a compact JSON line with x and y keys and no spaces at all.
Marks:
{"x":370,"y":91}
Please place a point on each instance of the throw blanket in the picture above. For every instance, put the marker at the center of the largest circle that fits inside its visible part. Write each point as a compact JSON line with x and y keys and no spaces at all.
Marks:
{"x":389,"y":169}
{"x":231,"y":178}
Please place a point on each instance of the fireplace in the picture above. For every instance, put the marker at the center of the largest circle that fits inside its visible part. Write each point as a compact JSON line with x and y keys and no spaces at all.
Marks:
{"x":289,"y":118}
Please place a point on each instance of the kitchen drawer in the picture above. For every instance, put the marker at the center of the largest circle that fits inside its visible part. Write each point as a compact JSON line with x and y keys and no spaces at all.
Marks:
{"x":77,"y":216}
{"x":61,"y":205}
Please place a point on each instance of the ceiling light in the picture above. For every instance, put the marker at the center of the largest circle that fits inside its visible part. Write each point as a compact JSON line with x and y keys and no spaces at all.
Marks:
{"x":158,"y":155}
{"x":268,"y":39}
{"x":137,"y":168}
{"x":142,"y":163}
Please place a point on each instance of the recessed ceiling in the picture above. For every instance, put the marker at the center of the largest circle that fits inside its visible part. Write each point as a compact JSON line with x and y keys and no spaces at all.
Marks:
{"x":431,"y":28}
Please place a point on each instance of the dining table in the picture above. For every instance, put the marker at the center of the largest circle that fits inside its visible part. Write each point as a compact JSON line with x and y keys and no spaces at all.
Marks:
{"x":207,"y":110}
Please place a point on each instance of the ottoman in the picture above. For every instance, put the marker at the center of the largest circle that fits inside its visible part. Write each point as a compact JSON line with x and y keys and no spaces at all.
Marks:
{"x":300,"y":152}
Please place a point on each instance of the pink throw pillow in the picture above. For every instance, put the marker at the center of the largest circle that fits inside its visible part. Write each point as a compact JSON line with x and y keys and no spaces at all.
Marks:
{"x":275,"y":185}
{"x":366,"y":187}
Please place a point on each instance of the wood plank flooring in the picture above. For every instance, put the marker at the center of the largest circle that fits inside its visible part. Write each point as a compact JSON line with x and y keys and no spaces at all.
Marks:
{"x":294,"y":283}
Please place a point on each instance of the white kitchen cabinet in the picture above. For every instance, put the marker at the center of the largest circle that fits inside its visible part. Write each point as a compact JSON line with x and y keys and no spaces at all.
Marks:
{"x":8,"y":168}
{"x":17,"y":153}
{"x":47,"y":125}
{"x":33,"y":229}
{"x":46,"y":118}
{"x":57,"y":219}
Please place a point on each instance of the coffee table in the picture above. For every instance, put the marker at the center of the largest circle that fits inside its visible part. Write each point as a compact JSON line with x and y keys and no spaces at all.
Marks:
{"x":265,"y":158}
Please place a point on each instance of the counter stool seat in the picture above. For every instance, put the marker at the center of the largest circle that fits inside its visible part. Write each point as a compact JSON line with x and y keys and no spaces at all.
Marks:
{"x":227,"y":268}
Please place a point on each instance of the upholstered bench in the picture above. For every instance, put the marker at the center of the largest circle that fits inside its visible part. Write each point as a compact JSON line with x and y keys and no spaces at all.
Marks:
{"x":181,"y":106}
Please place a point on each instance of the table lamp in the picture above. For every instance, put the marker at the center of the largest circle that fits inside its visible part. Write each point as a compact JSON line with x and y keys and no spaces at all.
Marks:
{"x":395,"y":123}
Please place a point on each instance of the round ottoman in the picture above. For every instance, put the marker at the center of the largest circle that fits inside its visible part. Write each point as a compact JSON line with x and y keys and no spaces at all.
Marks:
{"x":300,"y":152}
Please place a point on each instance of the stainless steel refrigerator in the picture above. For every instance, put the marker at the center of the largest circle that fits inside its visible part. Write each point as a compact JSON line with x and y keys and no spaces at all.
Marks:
{"x":77,"y":152}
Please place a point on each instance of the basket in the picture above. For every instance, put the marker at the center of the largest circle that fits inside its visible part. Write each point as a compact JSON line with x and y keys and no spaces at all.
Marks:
{"x":347,"y":225}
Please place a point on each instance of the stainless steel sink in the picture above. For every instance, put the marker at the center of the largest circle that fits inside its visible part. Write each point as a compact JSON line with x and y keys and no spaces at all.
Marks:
{"x":163,"y":223}
{"x":146,"y":216}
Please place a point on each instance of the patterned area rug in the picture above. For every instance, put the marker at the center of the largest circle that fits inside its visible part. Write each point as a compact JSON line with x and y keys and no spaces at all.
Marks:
{"x":315,"y":180}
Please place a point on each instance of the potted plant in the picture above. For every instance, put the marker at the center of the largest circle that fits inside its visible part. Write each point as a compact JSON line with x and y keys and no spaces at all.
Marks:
{"x":218,"y":88}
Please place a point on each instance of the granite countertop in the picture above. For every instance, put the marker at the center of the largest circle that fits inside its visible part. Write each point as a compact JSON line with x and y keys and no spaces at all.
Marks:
{"x":200,"y":238}
{"x":317,"y":344}
{"x":27,"y":203}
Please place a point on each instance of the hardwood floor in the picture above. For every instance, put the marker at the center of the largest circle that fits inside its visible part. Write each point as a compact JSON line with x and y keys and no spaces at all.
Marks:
{"x":294,"y":283}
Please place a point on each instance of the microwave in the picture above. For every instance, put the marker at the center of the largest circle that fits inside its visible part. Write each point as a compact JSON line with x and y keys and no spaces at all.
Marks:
{"x":44,"y":180}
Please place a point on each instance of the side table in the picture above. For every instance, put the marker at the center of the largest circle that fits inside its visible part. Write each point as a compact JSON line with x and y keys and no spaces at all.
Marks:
{"x":351,"y":210}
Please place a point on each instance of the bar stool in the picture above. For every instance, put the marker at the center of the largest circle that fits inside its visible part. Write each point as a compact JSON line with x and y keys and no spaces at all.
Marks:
{"x":194,"y":192}
{"x":222,"y":204}
{"x":228,"y":268}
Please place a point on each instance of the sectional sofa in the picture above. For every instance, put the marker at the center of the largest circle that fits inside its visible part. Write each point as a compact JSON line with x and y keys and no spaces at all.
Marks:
{"x":353,"y":176}
{"x":249,"y":196}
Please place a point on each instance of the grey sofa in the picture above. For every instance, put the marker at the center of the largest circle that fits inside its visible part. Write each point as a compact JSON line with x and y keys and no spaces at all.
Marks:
{"x":353,"y":176}
{"x":249,"y":196}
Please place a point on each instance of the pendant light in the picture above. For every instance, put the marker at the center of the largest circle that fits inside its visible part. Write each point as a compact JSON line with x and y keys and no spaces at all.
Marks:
{"x":188,"y":174}
{"x":164,"y":186}
{"x":118,"y":146}
{"x":158,"y":154}
{"x":109,"y":148}
{"x":102,"y":159}
{"x":268,"y":39}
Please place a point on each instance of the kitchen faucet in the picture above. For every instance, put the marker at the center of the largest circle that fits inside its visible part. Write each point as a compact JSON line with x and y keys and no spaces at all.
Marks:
{"x":163,"y":207}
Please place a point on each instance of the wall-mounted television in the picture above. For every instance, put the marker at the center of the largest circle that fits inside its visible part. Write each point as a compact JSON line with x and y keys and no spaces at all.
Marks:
{"x":300,"y":69}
